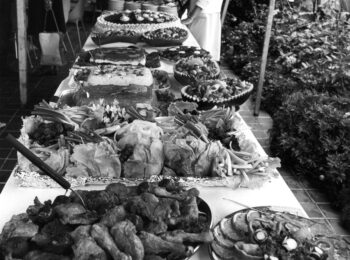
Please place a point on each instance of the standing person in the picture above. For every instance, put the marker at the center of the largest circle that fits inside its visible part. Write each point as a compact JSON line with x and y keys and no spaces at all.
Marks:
{"x":205,"y":24}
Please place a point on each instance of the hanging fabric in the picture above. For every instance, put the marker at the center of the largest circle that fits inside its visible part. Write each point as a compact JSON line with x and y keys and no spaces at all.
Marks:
{"x":50,"y":41}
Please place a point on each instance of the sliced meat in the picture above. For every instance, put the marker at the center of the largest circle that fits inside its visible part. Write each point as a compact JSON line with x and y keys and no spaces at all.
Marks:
{"x":228,"y":230}
{"x":222,"y":239}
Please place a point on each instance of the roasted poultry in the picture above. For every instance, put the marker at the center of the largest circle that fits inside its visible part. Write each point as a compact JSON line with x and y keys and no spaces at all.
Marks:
{"x":149,"y":221}
{"x":100,"y":233}
{"x":156,"y":245}
{"x":124,"y":234}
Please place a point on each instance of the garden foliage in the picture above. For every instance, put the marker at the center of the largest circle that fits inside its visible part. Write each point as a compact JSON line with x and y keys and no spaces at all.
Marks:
{"x":306,"y":90}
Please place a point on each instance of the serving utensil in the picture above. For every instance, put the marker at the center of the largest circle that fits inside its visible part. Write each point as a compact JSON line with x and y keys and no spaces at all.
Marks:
{"x":42,"y":165}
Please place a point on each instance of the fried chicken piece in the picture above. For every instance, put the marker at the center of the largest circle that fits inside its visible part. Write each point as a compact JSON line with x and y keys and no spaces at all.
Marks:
{"x":38,"y":255}
{"x":14,"y":247}
{"x":40,"y":213}
{"x":143,"y":205}
{"x":189,"y":210}
{"x":85,"y":247}
{"x":19,"y":226}
{"x":124,"y":234}
{"x":167,"y":210}
{"x":163,"y":193}
{"x":137,"y":221}
{"x":113,"y":216}
{"x":153,"y":257}
{"x":101,"y":235}
{"x":75,"y":214}
{"x":180,"y":236}
{"x":120,"y":190}
{"x":156,"y":245}
{"x":80,"y":232}
{"x":54,"y":237}
{"x":157,"y":228}
{"x":97,"y":200}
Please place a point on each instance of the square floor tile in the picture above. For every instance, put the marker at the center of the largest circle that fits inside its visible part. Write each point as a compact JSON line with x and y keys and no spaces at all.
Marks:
{"x":322,"y":227}
{"x":8,"y":112}
{"x":292,"y":182}
{"x":15,"y":124}
{"x":4,"y":175}
{"x":5,"y":118}
{"x":329,"y":211}
{"x":311,"y":210}
{"x":306,"y":183}
{"x":13,"y":154}
{"x":4,"y":153}
{"x":284,"y":171}
{"x":4,"y":144}
{"x":9,"y":164}
{"x":318,"y":196}
{"x":338,"y":228}
{"x":301,"y":195}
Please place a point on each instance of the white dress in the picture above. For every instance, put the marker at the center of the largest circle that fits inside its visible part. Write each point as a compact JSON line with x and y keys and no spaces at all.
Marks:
{"x":206,"y":27}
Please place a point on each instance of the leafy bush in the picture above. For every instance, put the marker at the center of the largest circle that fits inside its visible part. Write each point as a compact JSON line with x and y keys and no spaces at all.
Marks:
{"x":306,"y":52}
{"x":312,"y":134}
{"x":306,"y":90}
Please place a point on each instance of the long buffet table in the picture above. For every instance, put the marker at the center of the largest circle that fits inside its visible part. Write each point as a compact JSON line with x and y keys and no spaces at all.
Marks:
{"x":14,"y":199}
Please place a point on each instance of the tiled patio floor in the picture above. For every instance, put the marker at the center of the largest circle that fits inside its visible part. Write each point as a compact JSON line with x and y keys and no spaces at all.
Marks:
{"x":313,"y":201}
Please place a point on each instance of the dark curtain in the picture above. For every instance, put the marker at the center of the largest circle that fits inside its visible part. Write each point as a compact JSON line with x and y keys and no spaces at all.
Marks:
{"x":7,"y":27}
{"x":36,"y":17}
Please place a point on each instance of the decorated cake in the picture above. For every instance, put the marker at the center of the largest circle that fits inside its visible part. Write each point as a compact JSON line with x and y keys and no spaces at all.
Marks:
{"x":153,"y":60}
{"x":118,"y":55}
{"x":191,"y":70}
{"x":101,"y":36}
{"x":180,"y":52}
{"x":131,"y":84}
{"x":262,"y":233}
{"x":170,"y":36}
{"x":210,"y":93}
{"x":137,"y":21}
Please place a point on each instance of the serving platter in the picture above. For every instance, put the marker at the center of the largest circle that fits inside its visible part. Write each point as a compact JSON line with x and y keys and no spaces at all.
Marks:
{"x":301,"y":234}
{"x":246,"y":143}
{"x":99,"y":209}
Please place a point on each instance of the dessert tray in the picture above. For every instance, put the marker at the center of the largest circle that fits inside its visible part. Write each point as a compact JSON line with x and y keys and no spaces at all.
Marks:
{"x":101,"y":37}
{"x":137,"y":21}
{"x":274,"y":233}
{"x":170,"y":36}
{"x":191,"y":70}
{"x":180,"y":52}
{"x":130,"y":55}
{"x":148,"y":221}
{"x":227,"y":92}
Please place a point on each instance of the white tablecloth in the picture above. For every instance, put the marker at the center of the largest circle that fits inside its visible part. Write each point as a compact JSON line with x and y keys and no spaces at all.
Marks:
{"x":14,"y":200}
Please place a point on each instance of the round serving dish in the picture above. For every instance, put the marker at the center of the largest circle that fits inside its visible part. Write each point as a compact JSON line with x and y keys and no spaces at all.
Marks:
{"x":194,"y":70}
{"x":139,"y":21}
{"x":205,"y":103}
{"x":292,"y":226}
{"x":174,"y":54}
{"x":170,"y":36}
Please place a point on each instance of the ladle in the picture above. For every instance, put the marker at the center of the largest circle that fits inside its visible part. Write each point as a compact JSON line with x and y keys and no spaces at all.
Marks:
{"x":42,"y":165}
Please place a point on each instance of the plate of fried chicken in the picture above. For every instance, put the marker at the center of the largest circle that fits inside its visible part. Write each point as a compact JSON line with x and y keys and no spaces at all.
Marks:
{"x":149,"y":221}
